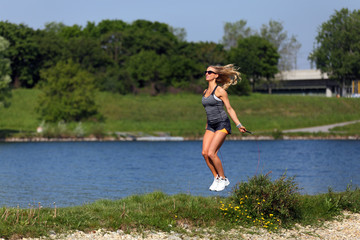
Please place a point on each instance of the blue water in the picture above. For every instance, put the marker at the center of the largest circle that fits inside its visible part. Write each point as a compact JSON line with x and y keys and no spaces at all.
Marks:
{"x":75,"y":173}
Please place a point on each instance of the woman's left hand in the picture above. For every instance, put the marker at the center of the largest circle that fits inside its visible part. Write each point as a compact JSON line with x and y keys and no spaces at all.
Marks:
{"x":242,"y":129}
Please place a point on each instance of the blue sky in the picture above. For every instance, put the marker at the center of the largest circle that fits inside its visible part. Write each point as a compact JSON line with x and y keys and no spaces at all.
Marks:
{"x":203,"y":20}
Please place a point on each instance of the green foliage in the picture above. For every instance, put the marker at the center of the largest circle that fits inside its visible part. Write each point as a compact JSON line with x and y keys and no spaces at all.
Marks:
{"x":242,"y":88}
{"x":115,"y":80}
{"x":23,"y":53}
{"x":347,"y":200}
{"x":241,"y":213}
{"x":256,"y":57}
{"x":149,"y":36}
{"x":137,"y":57}
{"x":180,"y":33}
{"x":87,"y":53}
{"x":262,"y":197}
{"x":338,"y":46}
{"x":68,"y":93}
{"x":277,"y":134}
{"x":51,"y":46}
{"x":5,"y":71}
{"x":326,"y":206}
{"x":203,"y":53}
{"x":147,"y":69}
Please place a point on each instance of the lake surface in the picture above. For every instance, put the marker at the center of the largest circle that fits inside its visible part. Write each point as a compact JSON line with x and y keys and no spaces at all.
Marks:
{"x":75,"y":173}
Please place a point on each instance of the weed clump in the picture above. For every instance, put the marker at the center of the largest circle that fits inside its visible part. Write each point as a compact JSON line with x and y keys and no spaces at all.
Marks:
{"x":263,"y":202}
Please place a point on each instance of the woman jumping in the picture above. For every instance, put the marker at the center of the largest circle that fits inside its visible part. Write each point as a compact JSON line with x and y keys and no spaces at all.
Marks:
{"x":218,"y":124}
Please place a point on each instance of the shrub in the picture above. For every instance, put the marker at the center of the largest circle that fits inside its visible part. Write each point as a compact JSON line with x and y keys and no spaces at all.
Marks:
{"x":264,"y":198}
{"x":68,"y":93}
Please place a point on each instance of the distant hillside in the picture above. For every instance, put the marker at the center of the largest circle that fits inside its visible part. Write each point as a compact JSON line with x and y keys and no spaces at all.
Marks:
{"x":183,"y":114}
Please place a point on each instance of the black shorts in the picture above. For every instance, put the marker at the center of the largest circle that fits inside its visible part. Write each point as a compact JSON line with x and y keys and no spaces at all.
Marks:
{"x":219,"y":126}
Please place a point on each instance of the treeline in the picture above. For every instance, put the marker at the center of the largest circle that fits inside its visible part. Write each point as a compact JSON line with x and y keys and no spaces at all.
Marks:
{"x":70,"y":63}
{"x":142,"y":56}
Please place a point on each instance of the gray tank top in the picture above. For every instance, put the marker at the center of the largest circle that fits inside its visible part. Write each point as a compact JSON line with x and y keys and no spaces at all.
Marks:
{"x":214,"y":108}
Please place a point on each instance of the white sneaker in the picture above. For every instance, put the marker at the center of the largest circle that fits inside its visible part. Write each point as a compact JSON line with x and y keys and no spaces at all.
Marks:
{"x":213,"y":186}
{"x":223,"y":182}
{"x":227,"y":182}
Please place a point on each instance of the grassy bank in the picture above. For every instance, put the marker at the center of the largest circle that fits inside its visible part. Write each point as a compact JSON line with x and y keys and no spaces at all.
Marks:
{"x":180,"y":213}
{"x":183,"y":114}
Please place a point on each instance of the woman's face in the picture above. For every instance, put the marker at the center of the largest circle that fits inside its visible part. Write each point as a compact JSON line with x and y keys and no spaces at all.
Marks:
{"x":210,"y":74}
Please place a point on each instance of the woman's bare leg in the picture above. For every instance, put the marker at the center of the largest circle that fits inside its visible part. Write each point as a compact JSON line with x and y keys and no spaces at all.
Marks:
{"x":208,"y":136}
{"x":216,"y":142}
{"x":211,"y":145}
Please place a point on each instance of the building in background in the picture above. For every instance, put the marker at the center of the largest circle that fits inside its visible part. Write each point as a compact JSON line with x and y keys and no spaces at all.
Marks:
{"x":308,"y":82}
{"x":355,"y":88}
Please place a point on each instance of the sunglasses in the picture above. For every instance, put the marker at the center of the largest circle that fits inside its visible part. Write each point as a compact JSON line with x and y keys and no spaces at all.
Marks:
{"x":209,"y":72}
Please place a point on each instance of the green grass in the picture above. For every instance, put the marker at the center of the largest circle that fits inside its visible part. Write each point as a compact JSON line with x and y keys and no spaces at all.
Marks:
{"x":183,"y":114}
{"x":21,"y":115}
{"x":353,"y":128}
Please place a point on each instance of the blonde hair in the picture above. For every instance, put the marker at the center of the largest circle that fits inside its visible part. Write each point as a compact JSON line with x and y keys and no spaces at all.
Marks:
{"x":228,"y":75}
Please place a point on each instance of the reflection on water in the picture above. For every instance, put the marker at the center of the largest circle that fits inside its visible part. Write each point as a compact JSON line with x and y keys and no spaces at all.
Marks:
{"x":80,"y":172}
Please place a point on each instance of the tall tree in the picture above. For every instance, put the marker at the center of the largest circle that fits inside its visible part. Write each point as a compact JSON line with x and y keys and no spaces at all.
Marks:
{"x":23,"y":53}
{"x":112,"y":43}
{"x":111,"y":34}
{"x":233,"y":32}
{"x":338,"y":47}
{"x":205,"y":53}
{"x":257,"y":59}
{"x":149,"y":36}
{"x":148,"y":70}
{"x":180,"y":33}
{"x":59,"y":42}
{"x":287,"y":47}
{"x":87,"y":52}
{"x":4,"y":74}
{"x":51,"y":46}
{"x":104,"y":27}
